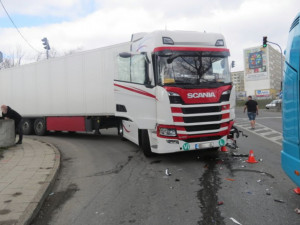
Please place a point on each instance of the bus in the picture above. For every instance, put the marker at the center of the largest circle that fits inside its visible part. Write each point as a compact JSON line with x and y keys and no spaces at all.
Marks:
{"x":290,"y":154}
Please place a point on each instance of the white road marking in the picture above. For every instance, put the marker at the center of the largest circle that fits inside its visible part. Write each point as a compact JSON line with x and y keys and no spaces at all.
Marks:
{"x":260,"y":128}
{"x":257,"y":117}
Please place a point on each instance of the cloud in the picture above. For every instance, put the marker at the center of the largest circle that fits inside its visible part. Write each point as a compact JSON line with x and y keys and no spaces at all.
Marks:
{"x":171,"y":8}
{"x":45,"y":8}
{"x":243,"y":23}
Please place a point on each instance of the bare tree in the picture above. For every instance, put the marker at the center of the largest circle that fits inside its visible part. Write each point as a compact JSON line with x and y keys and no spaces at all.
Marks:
{"x":7,"y":63}
{"x":53,"y":53}
{"x":72,"y":51}
{"x":38,"y":56}
{"x":18,"y":56}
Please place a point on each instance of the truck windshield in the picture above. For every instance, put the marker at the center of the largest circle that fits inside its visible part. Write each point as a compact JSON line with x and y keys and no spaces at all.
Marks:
{"x":193,"y":68}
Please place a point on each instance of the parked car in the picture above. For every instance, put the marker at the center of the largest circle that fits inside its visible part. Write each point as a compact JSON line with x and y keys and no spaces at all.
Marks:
{"x":273,"y":104}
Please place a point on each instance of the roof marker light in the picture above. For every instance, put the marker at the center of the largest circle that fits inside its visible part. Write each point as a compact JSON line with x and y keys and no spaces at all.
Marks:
{"x":167,"y":41}
{"x":220,"y":42}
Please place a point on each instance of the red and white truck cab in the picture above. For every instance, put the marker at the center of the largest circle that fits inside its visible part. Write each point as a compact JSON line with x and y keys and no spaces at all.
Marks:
{"x":173,"y":92}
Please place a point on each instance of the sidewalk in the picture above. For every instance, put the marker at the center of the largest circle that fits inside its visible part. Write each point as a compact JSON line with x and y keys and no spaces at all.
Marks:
{"x":27,"y":172}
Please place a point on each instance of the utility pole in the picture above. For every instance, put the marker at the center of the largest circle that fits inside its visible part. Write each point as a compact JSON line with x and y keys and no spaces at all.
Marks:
{"x":46,"y":46}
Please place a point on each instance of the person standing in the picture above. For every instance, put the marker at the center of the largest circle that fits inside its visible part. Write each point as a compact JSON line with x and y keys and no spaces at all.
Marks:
{"x":8,"y":112}
{"x":252,"y":109}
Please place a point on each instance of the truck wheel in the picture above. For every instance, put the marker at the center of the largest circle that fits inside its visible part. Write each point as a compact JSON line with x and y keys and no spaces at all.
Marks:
{"x":145,"y":145}
{"x":121,"y":131}
{"x":40,"y":127}
{"x":27,"y":126}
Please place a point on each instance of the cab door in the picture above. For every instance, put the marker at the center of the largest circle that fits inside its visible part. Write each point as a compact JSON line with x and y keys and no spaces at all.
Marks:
{"x":134,"y":95}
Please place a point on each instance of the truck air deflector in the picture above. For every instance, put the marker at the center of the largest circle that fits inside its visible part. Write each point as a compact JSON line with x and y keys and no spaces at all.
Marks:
{"x":195,"y":49}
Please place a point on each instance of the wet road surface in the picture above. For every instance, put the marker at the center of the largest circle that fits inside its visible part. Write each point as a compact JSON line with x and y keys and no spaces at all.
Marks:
{"x":104,"y":180}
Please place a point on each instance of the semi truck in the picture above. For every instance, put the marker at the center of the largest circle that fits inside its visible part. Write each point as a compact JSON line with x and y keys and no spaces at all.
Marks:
{"x":290,"y":154}
{"x":166,"y":91}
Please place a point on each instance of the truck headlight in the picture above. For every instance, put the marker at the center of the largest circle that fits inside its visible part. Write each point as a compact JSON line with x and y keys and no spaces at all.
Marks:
{"x":170,"y":93}
{"x":169,"y":132}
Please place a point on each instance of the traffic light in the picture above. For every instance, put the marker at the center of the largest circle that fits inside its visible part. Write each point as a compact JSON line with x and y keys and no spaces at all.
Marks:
{"x":46,"y":43}
{"x":232,"y":64}
{"x":265,"y":41}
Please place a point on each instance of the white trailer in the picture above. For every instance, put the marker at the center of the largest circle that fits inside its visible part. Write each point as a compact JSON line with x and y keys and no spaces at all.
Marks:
{"x":80,"y":84}
{"x":169,"y":91}
{"x":67,"y":93}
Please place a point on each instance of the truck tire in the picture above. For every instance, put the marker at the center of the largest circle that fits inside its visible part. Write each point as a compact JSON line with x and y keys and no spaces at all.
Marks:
{"x":121,"y":131}
{"x":27,"y":126}
{"x":145,"y":145}
{"x":40,"y":127}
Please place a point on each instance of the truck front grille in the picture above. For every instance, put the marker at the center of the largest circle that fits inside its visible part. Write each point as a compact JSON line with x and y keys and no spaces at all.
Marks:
{"x":208,"y":109}
{"x":202,"y":127}
{"x":198,"y":119}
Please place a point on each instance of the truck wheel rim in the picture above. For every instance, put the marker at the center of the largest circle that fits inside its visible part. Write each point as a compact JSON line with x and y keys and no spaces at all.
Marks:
{"x":40,"y":126}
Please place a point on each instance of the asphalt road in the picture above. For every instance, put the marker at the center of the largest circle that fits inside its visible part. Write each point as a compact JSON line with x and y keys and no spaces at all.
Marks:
{"x":104,"y":180}
{"x":269,"y":118}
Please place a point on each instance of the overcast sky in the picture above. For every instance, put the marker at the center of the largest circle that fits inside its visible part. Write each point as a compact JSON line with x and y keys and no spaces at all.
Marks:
{"x":88,"y":24}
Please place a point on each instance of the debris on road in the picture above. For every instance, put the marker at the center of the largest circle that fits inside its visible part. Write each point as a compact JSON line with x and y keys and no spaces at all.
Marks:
{"x":260,"y":160}
{"x":167,"y":172}
{"x":297,"y":211}
{"x":155,"y":162}
{"x":177,"y":180}
{"x":258,"y":181}
{"x":278,"y":200}
{"x":239,"y":155}
{"x":235,"y":221}
{"x":52,"y":193}
{"x":220,"y":203}
{"x":229,"y":179}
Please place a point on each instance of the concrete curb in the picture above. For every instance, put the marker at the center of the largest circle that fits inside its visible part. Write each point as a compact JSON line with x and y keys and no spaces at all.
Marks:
{"x":34,"y":207}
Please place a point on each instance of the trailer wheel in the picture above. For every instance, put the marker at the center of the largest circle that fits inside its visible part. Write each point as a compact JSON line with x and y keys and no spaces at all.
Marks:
{"x":121,"y":131}
{"x":145,"y":145}
{"x":40,"y":127}
{"x":27,"y":126}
